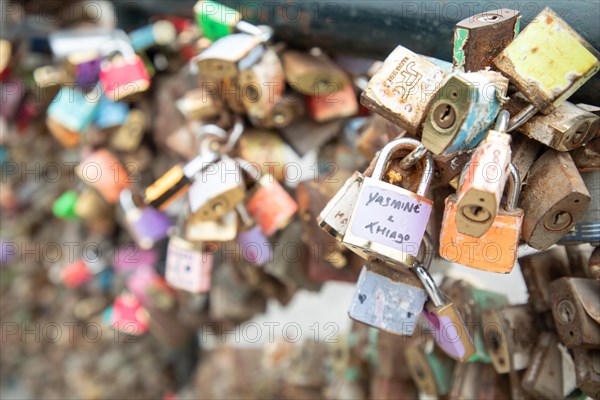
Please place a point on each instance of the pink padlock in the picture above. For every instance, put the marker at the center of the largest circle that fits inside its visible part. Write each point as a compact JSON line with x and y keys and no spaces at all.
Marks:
{"x":125,"y":74}
{"x":188,"y":266}
{"x":128,"y":315}
{"x":105,"y":173}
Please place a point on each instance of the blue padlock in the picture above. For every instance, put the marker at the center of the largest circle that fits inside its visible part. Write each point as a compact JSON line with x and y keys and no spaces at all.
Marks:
{"x":111,"y":114}
{"x":157,"y":34}
{"x":463,"y":110}
{"x":71,"y":113}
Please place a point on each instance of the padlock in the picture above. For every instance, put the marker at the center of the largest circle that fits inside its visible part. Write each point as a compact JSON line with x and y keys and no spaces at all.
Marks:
{"x":312,"y":74}
{"x":48,"y":80}
{"x":305,"y":135}
{"x":566,"y":128}
{"x":402,"y":90}
{"x":215,"y":20}
{"x":394,"y":228}
{"x":146,"y":225}
{"x":576,"y":311}
{"x":475,"y":380}
{"x":123,"y":75}
{"x":198,"y":104}
{"x":286,"y":109}
{"x":329,"y":105}
{"x":524,"y":152}
{"x":449,"y":166}
{"x":387,"y":298}
{"x":587,"y":371}
{"x":217,"y":190}
{"x":150,"y":288}
{"x":538,"y":271}
{"x":449,"y":330}
{"x":262,"y":85}
{"x":110,"y":114}
{"x":254,"y":245}
{"x":83,"y":270}
{"x":430,"y":370}
{"x":594,"y":263}
{"x":266,"y":150}
{"x":587,"y":158}
{"x":580,"y":260}
{"x":188,"y":265}
{"x":587,"y":229}
{"x":479,"y":38}
{"x":127,"y":315}
{"x":84,"y":66}
{"x":175,"y":182}
{"x":548,"y":40}
{"x":462,"y":110}
{"x":64,"y":206}
{"x":70,"y":114}
{"x":496,"y":250}
{"x":554,"y":199}
{"x":226,"y":57}
{"x":104,"y":172}
{"x":91,"y":206}
{"x":551,"y":372}
{"x":222,"y":229}
{"x":129,"y":135}
{"x":160,"y":33}
{"x":510,"y":335}
{"x":481,"y":187}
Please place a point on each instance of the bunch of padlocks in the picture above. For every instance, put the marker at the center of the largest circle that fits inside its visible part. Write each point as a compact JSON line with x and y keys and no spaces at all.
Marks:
{"x":213,"y":169}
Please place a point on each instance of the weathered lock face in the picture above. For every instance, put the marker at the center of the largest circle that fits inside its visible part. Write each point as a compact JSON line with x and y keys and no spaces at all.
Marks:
{"x":266,"y":149}
{"x":335,"y":216}
{"x":387,"y":299}
{"x":587,"y":371}
{"x":554,"y":199}
{"x":221,"y":229}
{"x":587,"y":230}
{"x":226,"y":57}
{"x":215,"y":20}
{"x":262,"y":85}
{"x":551,"y":373}
{"x":388,"y":221}
{"x":198,"y":104}
{"x":463,"y":110}
{"x":482,"y":185}
{"x":217,"y":190}
{"x":122,"y":78}
{"x":312,"y":75}
{"x":479,"y":38}
{"x":430,"y":371}
{"x":548,"y":39}
{"x":564,"y":129}
{"x":510,"y":333}
{"x":129,"y":135}
{"x":330,"y":105}
{"x":270,"y":205}
{"x":254,"y":246}
{"x":576,"y":311}
{"x":104,"y":172}
{"x":188,"y":267}
{"x":403,"y":88}
{"x":70,"y":114}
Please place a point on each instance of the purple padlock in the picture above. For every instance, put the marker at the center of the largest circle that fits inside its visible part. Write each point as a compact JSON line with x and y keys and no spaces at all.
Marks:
{"x":146,"y":225}
{"x":87,"y":72}
{"x":130,"y":257}
{"x":255,"y":247}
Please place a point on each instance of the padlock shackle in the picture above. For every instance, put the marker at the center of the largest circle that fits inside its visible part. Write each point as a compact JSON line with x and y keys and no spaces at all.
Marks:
{"x":502,"y":121}
{"x":118,"y":45}
{"x":435,"y":294}
{"x":126,"y":200}
{"x":234,"y":135}
{"x":263,"y":32}
{"x":514,"y":189}
{"x":523,"y":116}
{"x":405,"y":143}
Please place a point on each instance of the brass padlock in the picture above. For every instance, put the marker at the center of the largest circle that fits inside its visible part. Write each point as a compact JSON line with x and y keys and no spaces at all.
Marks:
{"x":286,"y":109}
{"x":481,"y":187}
{"x":576,"y":311}
{"x":474,"y":380}
{"x":199,"y":104}
{"x":524,"y":152}
{"x":402,"y":90}
{"x":587,"y":158}
{"x":221,"y":229}
{"x":312,"y":74}
{"x":266,"y":150}
{"x":430,"y":370}
{"x":510,"y":333}
{"x":479,"y":38}
{"x":538,"y":271}
{"x":554,"y":199}
{"x":551,"y":372}
{"x":128,"y":136}
{"x":564,"y":129}
{"x":226,"y":57}
{"x":587,"y":371}
{"x":587,"y":229}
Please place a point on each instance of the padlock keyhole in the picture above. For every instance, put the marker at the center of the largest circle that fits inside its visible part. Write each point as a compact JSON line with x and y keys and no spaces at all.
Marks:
{"x":444,"y":116}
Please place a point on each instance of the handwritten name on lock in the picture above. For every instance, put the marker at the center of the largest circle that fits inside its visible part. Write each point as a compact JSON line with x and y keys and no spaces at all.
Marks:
{"x":390,"y":218}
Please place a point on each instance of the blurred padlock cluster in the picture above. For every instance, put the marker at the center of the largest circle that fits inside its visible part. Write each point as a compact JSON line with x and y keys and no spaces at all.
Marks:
{"x":183,"y":174}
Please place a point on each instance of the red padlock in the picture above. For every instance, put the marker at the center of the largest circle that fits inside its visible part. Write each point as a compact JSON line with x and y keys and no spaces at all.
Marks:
{"x":124,"y":74}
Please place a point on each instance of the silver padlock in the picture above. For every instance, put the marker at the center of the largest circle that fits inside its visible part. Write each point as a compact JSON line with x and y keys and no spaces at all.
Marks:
{"x":388,"y":222}
{"x":335,"y":216}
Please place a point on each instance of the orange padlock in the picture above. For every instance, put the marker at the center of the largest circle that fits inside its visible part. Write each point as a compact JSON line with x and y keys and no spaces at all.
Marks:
{"x":496,"y":250}
{"x":105,"y":173}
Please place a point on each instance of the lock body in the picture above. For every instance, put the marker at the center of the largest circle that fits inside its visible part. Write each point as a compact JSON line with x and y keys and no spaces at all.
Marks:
{"x":482,"y":185}
{"x":266,"y":149}
{"x":478,"y":381}
{"x":548,"y":40}
{"x":576,"y":311}
{"x":335,"y":217}
{"x":286,"y":109}
{"x":198,"y":104}
{"x":70,"y":114}
{"x":217,"y":190}
{"x":387,"y":299}
{"x":270,"y":205}
{"x":222,"y":229}
{"x":431,"y":371}
{"x":147,"y":225}
{"x":255,"y":246}
{"x":463,"y":110}
{"x":312,"y":75}
{"x":450,"y":332}
{"x":554,"y":199}
{"x":170,"y":186}
{"x":494,"y":251}
{"x":587,"y":371}
{"x":226,"y":57}
{"x":566,"y":128}
{"x":104,"y":172}
{"x":328,"y":105}
{"x":122,"y":78}
{"x":262,"y":85}
{"x":215,"y":20}
{"x":129,"y":135}
{"x":110,"y":114}
{"x":479,"y":38}
{"x":402,"y":90}
{"x":84,"y":66}
{"x":587,"y":229}
{"x":188,"y":267}
{"x":127,"y":315}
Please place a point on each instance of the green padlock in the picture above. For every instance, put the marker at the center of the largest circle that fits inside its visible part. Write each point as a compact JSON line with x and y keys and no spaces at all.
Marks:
{"x":64,"y":206}
{"x":215,"y":20}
